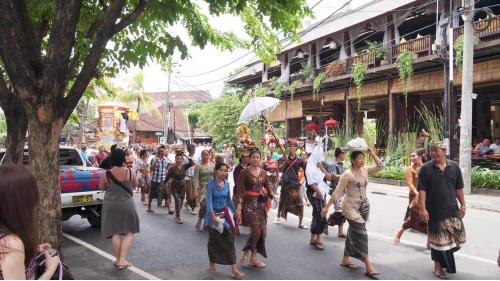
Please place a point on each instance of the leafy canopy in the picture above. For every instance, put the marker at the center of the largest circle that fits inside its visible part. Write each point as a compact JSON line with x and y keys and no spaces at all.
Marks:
{"x":150,"y":37}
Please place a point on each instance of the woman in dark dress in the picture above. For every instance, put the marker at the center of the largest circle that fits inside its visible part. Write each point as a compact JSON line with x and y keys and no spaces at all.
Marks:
{"x":253,"y":195}
{"x":218,"y":201}
{"x":177,"y":175}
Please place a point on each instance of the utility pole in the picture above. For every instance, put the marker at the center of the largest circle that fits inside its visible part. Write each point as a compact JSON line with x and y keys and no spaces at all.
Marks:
{"x":166,"y":115}
{"x":466,"y":110}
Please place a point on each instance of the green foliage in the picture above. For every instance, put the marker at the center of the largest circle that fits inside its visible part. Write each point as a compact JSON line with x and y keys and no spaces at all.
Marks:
{"x":279,"y":88}
{"x":3,"y":130}
{"x":261,"y":92}
{"x":73,"y":118}
{"x":485,"y":178}
{"x":193,"y":118}
{"x":219,"y":117}
{"x":480,"y":177}
{"x":317,"y":84}
{"x":305,"y":70}
{"x":358,"y":77}
{"x":391,"y":172}
{"x":405,"y":67}
{"x":458,"y":47}
{"x":370,"y":132}
{"x":292,"y":88}
{"x":376,"y":49}
{"x":433,"y":121}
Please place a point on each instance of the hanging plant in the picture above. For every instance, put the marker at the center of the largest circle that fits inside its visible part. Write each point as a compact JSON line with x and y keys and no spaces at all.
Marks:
{"x":306,"y":70}
{"x":292,"y":88}
{"x":279,"y":87}
{"x":317,"y":84}
{"x":458,"y":47}
{"x":405,"y":68}
{"x":358,"y":77}
{"x":335,"y":68}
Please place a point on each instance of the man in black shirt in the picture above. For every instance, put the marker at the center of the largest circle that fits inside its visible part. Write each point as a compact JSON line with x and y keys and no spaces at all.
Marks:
{"x":440,"y":184}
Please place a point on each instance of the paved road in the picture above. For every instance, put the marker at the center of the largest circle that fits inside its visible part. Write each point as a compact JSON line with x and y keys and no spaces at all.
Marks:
{"x":170,"y":251}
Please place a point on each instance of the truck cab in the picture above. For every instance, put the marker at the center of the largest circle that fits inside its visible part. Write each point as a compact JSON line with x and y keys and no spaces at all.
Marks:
{"x":80,"y":192}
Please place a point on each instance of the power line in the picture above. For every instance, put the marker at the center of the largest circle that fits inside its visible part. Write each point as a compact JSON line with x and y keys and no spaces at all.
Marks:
{"x":306,"y":31}
{"x":239,"y":58}
{"x":380,"y":28}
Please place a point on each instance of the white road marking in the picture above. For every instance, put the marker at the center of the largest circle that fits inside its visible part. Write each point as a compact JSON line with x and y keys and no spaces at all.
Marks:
{"x":409,"y":243}
{"x":100,"y":252}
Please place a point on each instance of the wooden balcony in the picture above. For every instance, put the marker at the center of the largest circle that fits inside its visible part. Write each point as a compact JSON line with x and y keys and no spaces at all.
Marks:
{"x":489,"y":34}
{"x":296,"y":77}
{"x":367,"y":58}
{"x":422,"y":47}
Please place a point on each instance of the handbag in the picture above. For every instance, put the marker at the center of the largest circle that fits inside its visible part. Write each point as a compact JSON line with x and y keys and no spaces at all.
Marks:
{"x":62,"y":272}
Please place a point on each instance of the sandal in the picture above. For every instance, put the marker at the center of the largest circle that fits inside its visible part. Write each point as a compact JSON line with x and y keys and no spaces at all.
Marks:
{"x":319,"y":246}
{"x":258,"y":264}
{"x":440,"y":275}
{"x":341,"y":236}
{"x":150,"y":211}
{"x":372,"y":274}
{"x":350,"y":266}
{"x":237,"y":275}
{"x":122,"y":267}
{"x":170,"y":212}
{"x":302,"y":226}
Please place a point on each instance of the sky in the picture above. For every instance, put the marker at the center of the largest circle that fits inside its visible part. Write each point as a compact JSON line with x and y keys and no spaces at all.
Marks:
{"x":210,"y":58}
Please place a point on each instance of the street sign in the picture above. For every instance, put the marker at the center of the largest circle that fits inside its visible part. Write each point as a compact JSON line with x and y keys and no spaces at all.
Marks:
{"x":159,"y":134}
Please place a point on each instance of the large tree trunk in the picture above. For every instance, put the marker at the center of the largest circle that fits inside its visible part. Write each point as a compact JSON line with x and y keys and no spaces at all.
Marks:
{"x":43,"y":146}
{"x":17,"y":125}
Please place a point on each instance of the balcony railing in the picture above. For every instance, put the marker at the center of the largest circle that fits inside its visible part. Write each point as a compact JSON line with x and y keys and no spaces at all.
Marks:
{"x":422,"y":47}
{"x":367,"y":58}
{"x":296,"y":77}
{"x":489,"y":34}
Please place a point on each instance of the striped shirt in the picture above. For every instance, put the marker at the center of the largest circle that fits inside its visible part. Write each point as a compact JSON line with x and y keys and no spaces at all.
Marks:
{"x":159,"y":169}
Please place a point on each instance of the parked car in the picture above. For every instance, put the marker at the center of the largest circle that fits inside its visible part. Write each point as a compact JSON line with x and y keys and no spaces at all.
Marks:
{"x":80,"y":192}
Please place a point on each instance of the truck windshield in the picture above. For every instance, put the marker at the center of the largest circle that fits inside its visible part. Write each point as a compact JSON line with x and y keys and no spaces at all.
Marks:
{"x":67,"y":157}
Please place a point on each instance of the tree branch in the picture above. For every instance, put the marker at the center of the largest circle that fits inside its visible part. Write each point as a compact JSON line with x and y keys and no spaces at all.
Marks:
{"x":130,"y":18}
{"x":19,"y":53}
{"x":61,"y":42}
{"x":104,"y":33}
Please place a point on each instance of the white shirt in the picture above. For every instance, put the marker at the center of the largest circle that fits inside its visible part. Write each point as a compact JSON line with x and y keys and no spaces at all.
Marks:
{"x":495,"y":148}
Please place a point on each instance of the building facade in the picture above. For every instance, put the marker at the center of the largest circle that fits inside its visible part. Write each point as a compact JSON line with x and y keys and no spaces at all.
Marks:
{"x":375,"y":35}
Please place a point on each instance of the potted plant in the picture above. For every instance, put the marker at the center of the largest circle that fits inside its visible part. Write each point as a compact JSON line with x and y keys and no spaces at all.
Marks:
{"x":335,"y":68}
{"x":378,"y":52}
{"x":306,"y":71}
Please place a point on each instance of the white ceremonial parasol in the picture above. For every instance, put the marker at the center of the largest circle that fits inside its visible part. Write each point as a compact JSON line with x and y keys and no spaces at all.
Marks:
{"x":256,"y":107}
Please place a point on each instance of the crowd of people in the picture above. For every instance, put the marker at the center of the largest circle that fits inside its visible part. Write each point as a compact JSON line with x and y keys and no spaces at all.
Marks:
{"x":196,"y":178}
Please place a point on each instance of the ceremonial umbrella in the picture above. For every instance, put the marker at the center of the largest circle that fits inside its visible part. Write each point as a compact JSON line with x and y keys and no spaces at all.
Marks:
{"x":329,"y":123}
{"x":259,"y":107}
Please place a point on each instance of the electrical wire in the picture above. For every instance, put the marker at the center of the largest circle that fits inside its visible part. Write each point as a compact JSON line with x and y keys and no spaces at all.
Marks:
{"x":239,"y":58}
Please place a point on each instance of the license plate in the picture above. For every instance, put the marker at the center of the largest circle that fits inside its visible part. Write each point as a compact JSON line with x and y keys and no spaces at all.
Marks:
{"x":83,"y":199}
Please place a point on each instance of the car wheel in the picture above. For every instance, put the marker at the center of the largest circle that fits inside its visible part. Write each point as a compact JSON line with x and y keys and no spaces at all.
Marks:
{"x":93,"y":219}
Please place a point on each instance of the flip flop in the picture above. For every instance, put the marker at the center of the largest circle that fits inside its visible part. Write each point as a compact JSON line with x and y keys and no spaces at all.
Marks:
{"x":441,"y":275}
{"x":350,"y":266}
{"x":212,"y":270}
{"x":342,"y":236}
{"x":150,"y":211}
{"x":258,"y":265}
{"x":303,"y":227}
{"x":238,"y":275}
{"x":372,"y":275}
{"x":319,"y":246}
{"x":122,"y":267}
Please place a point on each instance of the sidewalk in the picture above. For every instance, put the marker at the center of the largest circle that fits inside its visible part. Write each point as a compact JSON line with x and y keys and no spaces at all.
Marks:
{"x":474,"y":201}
